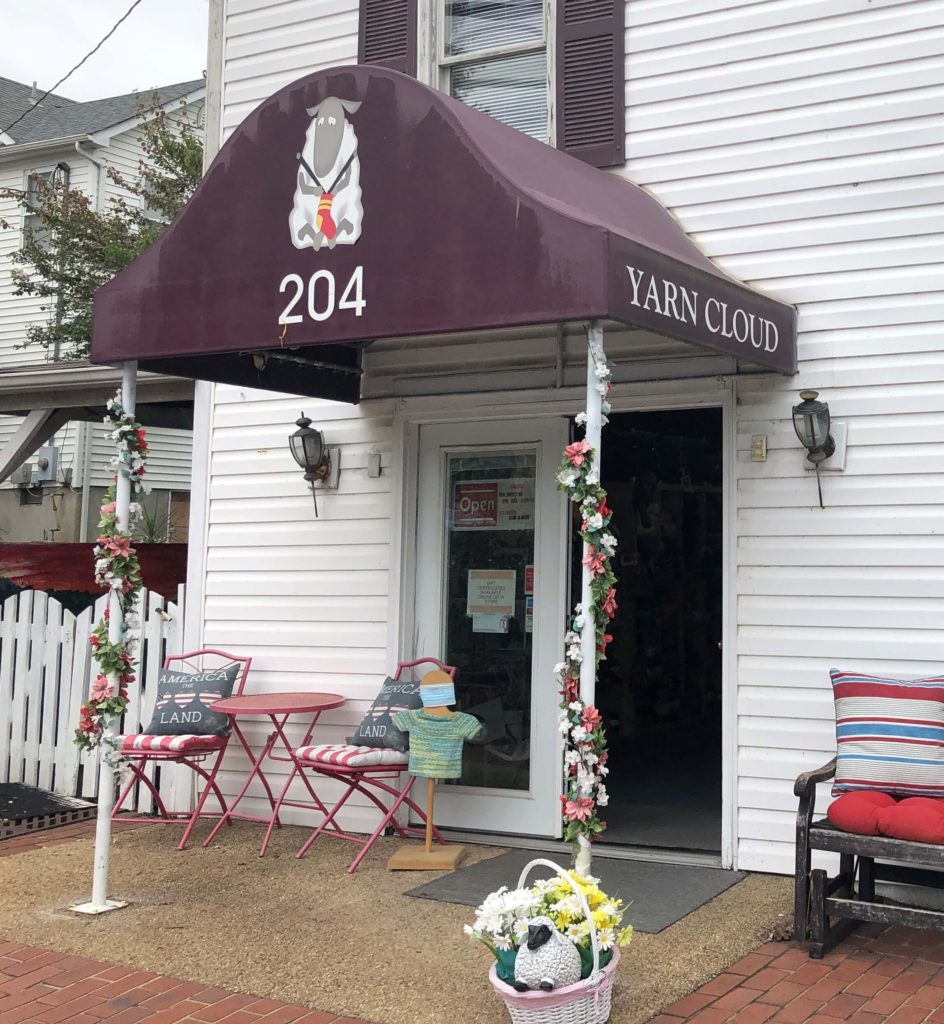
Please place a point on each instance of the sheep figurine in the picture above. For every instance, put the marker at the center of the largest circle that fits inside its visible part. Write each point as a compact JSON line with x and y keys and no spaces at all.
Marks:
{"x":548,"y":960}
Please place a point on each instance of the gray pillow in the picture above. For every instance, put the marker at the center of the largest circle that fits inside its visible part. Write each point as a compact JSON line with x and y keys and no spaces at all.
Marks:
{"x":184,"y":699}
{"x":377,"y":729}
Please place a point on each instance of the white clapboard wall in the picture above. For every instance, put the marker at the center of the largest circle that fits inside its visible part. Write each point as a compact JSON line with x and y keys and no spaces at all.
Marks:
{"x":800,"y":144}
{"x":45,"y":671}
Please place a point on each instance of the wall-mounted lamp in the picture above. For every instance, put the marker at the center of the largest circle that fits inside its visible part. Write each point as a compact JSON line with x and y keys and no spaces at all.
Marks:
{"x":308,"y":450}
{"x":811,"y":423}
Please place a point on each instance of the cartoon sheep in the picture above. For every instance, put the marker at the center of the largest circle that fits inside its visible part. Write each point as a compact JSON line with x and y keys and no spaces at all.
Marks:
{"x":327,"y":207}
{"x":548,"y":960}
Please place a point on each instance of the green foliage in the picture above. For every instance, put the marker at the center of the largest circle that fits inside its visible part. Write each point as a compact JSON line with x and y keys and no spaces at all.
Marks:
{"x":154,"y":526}
{"x":74,"y":248}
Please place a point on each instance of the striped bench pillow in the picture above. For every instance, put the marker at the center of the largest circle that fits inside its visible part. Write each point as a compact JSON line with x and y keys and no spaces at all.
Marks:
{"x":889,"y":734}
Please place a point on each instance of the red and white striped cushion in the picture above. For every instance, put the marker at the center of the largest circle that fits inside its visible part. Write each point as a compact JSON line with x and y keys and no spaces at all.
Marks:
{"x":177,"y":744}
{"x":347,"y":756}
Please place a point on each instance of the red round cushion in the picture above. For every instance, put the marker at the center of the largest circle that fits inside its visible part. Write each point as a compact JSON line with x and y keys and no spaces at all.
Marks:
{"x":918,"y":818}
{"x":858,"y":811}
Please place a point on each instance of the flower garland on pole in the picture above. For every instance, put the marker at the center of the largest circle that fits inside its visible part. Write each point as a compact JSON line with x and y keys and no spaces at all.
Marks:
{"x":585,"y":753}
{"x":118,"y":572}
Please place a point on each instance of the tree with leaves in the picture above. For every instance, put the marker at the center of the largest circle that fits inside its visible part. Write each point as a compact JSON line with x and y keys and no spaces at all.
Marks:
{"x":70,"y":248}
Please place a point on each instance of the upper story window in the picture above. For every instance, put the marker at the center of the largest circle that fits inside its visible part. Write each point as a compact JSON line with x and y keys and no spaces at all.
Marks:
{"x":493,"y":56}
{"x":551,"y":68}
{"x":33,"y":221}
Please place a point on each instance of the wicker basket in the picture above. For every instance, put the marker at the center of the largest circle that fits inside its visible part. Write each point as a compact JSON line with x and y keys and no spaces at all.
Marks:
{"x":587,"y":1002}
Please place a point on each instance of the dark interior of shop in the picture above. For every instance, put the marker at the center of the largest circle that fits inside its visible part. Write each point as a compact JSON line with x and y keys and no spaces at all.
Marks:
{"x":659,"y":689}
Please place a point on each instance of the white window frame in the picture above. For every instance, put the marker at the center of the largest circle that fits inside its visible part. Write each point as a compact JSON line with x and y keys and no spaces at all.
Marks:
{"x":434,"y":66}
{"x":49,"y":173}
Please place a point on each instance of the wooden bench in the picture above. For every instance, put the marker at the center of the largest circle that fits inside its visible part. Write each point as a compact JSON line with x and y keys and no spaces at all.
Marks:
{"x":830,"y":908}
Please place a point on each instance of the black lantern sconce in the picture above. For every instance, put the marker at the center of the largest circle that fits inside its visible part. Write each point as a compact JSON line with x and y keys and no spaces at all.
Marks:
{"x":308,"y":449}
{"x":811,"y":423}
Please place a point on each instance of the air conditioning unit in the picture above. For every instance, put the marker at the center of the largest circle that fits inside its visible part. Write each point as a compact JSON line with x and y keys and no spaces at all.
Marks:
{"x":22,"y":476}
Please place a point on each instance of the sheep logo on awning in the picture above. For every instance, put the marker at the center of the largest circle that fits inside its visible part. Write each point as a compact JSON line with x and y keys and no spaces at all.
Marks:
{"x":327,"y":208}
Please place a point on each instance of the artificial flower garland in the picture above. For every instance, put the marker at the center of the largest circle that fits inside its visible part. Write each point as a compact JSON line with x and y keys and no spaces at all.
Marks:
{"x":585,"y":752}
{"x":118,"y":571}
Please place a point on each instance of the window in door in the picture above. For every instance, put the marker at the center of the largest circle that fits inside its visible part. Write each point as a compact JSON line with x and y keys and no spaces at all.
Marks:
{"x":488,"y":606}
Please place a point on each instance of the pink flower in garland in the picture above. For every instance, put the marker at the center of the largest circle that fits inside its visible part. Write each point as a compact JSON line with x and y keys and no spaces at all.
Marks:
{"x":87,"y":724}
{"x":94,"y":642}
{"x":108,"y":509}
{"x":101,"y":690}
{"x":141,"y":439}
{"x":595,"y":561}
{"x":609,"y":603}
{"x":602,"y":645}
{"x":603,"y":508}
{"x":577,"y":452}
{"x":571,"y":689}
{"x":590,"y":718}
{"x":580,"y":809}
{"x":119,"y":546}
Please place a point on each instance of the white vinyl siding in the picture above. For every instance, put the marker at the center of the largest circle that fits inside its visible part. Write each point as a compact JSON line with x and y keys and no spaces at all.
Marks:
{"x":307,"y":598}
{"x":268,"y":44}
{"x":799,"y":142}
{"x":18,"y":311}
{"x":168,"y":462}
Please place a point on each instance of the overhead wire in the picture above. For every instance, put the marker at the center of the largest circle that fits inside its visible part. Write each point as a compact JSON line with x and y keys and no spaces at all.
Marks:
{"x":71,"y":71}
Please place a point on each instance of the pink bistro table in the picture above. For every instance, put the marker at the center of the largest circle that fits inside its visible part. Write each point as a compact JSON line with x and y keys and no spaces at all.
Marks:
{"x":278,"y":708}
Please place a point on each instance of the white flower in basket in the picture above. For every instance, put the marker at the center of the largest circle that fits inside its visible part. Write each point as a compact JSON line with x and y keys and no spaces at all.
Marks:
{"x":579,"y":910}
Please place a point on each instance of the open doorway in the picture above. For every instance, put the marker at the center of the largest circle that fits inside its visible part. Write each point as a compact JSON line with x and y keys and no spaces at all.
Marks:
{"x":659,"y":690}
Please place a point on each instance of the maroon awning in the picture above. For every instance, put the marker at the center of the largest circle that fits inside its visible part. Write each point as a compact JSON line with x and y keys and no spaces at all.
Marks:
{"x":357,"y":204}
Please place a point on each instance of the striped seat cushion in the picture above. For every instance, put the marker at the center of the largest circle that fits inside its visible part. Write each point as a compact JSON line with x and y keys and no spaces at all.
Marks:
{"x":346,"y":755}
{"x":187,"y":744}
{"x":889,"y":734}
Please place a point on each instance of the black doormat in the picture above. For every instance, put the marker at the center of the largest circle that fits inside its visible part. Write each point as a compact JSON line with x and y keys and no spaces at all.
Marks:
{"x":659,"y":894}
{"x":27,"y":809}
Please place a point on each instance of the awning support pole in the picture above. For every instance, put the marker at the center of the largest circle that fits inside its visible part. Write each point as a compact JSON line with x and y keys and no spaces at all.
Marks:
{"x":100,"y":903}
{"x":588,"y":634}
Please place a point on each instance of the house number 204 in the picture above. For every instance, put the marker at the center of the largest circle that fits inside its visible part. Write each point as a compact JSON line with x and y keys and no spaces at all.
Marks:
{"x":322,"y":291}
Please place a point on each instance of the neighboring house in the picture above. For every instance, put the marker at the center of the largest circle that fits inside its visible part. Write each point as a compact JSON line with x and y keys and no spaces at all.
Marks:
{"x":73,"y":143}
{"x":798,"y":146}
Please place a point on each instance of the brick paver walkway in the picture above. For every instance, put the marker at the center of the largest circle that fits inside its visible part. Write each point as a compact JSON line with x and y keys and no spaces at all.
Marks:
{"x":40,"y":987}
{"x":894,"y":975}
{"x":876,"y":976}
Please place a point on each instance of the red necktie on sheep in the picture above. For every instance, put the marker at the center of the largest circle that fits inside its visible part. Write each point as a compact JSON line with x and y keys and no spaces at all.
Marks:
{"x":324,"y":222}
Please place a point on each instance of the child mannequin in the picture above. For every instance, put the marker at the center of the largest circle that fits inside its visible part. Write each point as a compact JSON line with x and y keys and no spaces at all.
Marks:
{"x":436,"y":737}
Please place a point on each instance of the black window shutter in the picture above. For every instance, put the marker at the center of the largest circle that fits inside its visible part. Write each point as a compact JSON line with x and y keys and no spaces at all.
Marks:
{"x":590,"y":103}
{"x":387,"y":34}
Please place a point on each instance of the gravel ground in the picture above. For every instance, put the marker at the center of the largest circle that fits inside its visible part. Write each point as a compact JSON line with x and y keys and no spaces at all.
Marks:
{"x":309,"y":933}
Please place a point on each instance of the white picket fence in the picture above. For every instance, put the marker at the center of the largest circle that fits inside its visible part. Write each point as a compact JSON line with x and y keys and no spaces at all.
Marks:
{"x":45,"y":668}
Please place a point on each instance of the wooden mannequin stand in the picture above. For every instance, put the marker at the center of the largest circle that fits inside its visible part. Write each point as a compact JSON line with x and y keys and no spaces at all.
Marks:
{"x":443,"y":858}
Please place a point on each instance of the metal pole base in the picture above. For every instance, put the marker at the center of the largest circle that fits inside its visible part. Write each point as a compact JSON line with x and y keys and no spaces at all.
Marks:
{"x":93,"y":909}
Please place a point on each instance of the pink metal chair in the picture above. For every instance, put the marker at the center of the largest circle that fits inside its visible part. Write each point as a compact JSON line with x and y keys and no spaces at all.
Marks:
{"x":139,"y":750}
{"x":373,"y":781}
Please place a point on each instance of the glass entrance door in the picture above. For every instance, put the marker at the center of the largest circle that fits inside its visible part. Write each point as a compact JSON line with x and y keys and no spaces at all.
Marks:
{"x":490,"y":600}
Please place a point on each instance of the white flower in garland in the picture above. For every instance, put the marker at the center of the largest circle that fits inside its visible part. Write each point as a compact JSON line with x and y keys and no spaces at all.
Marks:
{"x":607,"y":543}
{"x":568,"y":477}
{"x":581,"y":419}
{"x":594,"y":522}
